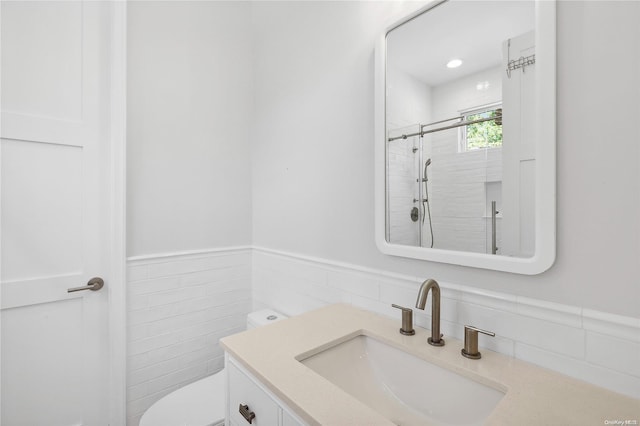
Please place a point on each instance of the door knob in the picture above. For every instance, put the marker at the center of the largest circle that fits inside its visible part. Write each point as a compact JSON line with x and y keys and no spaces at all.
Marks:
{"x":94,"y":284}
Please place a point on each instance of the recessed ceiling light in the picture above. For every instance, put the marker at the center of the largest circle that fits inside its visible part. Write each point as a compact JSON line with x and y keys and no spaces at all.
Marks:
{"x":454,"y":63}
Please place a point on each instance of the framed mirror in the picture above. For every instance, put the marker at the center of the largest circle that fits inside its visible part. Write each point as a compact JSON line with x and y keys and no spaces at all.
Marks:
{"x":465,"y":135}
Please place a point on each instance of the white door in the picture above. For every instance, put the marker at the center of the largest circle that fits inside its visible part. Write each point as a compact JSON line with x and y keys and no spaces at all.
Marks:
{"x":54,"y":222}
{"x":518,"y":150}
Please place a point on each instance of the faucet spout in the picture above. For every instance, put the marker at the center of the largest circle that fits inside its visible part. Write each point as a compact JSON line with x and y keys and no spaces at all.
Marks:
{"x":431,"y":285}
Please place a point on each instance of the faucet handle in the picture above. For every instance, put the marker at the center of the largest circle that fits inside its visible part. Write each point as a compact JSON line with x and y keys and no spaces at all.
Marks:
{"x":407,"y":320}
{"x":470,"y":349}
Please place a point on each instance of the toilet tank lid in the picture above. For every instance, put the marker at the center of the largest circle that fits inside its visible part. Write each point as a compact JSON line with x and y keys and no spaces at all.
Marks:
{"x":264,"y":317}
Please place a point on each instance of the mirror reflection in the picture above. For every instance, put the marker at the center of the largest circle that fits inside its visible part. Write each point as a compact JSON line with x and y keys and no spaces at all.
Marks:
{"x":461,"y":143}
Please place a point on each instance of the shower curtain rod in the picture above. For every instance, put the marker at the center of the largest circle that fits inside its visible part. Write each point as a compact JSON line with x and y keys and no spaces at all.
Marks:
{"x":423,"y":132}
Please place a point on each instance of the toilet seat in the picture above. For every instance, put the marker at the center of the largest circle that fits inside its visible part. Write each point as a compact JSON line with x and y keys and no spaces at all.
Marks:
{"x":200,"y":403}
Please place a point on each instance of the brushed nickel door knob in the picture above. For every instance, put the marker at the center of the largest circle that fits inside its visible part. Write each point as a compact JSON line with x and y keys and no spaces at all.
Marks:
{"x":94,"y":284}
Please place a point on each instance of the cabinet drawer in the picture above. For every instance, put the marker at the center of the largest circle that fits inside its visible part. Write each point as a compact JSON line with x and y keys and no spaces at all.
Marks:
{"x":289,"y":419}
{"x":243,"y":390}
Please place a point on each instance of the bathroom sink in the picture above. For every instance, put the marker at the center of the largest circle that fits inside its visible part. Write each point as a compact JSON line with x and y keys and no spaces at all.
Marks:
{"x":403,"y":388}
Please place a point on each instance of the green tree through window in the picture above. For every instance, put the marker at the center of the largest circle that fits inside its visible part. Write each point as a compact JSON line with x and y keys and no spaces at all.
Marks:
{"x":487,"y":134}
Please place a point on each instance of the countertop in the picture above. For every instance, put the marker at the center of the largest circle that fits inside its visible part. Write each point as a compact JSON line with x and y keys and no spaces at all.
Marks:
{"x":534,"y":395}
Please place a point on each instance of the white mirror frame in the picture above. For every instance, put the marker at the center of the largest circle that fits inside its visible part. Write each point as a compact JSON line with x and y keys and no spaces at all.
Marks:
{"x":545,"y":182}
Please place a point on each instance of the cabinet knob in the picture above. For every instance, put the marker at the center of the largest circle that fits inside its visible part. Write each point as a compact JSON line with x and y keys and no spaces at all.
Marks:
{"x":246,"y":413}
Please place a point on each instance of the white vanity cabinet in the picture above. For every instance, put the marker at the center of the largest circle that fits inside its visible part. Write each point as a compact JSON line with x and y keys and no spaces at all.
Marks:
{"x":244,"y":389}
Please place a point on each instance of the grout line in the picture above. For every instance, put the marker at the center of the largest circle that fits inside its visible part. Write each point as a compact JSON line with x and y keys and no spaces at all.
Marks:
{"x":194,"y":324}
{"x":193,"y":272}
{"x":199,"y":337}
{"x":150,"y":307}
{"x":195,"y":254}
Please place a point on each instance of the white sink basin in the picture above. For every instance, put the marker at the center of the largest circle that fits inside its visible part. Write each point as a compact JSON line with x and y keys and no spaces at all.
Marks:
{"x":403,"y":388}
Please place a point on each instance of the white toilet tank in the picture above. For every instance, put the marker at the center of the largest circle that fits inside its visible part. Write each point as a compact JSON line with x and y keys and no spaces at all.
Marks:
{"x":263,"y":317}
{"x":201,"y":403}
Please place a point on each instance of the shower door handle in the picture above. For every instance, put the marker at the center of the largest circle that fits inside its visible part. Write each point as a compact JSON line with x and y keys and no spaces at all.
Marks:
{"x":94,"y":284}
{"x":494,"y":212}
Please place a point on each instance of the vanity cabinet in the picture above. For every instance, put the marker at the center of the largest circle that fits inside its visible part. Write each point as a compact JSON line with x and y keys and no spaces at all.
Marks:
{"x":244,"y":389}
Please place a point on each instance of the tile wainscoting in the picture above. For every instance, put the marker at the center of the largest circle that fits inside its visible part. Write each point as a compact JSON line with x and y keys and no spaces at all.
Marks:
{"x":179,"y":306}
{"x":596,"y":347}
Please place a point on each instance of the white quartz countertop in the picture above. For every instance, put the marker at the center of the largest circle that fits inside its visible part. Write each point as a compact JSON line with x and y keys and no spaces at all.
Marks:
{"x":534,"y":395}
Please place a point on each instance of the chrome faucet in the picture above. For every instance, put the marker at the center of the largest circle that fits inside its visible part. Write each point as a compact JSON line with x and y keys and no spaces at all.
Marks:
{"x":430,"y":284}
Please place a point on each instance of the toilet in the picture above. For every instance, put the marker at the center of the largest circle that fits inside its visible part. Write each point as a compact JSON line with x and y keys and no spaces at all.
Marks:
{"x":200,"y":403}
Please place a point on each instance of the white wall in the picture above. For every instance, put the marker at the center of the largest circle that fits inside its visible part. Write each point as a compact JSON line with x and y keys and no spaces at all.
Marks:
{"x":313,"y":163}
{"x":408,"y":101}
{"x":188,"y":191}
{"x":189,"y":112}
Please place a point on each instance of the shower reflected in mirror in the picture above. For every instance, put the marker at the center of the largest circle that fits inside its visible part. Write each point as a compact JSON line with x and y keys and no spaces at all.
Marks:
{"x":459,"y":120}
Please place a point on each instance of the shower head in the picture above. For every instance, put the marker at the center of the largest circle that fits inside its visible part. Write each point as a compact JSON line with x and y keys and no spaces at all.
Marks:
{"x":424,"y":173}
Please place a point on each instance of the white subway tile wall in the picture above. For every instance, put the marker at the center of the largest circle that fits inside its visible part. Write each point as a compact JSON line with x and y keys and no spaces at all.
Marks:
{"x":458,"y":180}
{"x":596,"y":347}
{"x":179,"y":306}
